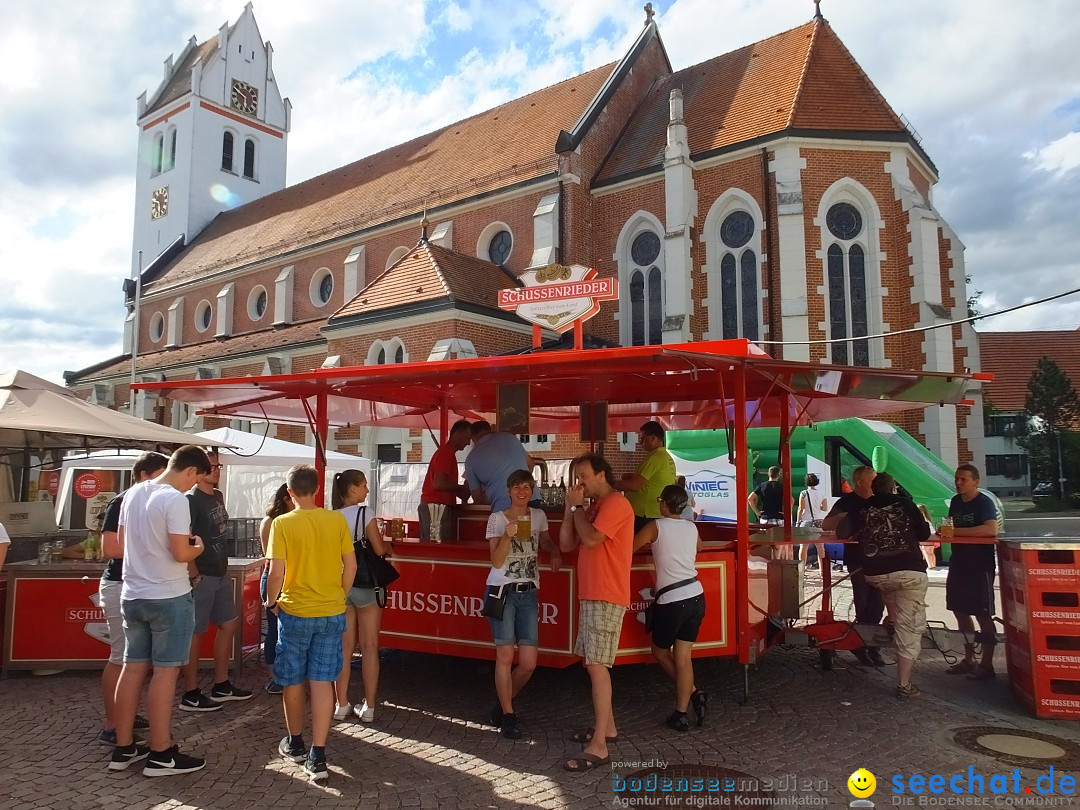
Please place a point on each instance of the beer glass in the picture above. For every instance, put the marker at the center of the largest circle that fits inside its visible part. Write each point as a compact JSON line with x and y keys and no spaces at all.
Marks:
{"x":946,"y":530}
{"x":524,"y":528}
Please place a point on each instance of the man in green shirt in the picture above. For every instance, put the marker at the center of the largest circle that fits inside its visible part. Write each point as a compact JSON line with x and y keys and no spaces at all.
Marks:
{"x":656,"y":472}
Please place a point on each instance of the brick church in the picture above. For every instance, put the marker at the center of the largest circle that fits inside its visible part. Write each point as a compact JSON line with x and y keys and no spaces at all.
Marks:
{"x":770,"y":193}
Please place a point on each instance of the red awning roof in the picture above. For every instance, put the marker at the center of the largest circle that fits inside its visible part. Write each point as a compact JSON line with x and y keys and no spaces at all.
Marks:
{"x":685,"y":386}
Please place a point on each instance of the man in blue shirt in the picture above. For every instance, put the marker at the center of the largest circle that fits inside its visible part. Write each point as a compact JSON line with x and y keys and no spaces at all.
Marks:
{"x":494,"y":455}
{"x":969,"y":588}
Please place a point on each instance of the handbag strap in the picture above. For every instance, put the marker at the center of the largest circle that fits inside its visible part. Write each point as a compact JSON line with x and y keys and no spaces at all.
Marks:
{"x":360,"y":511}
{"x":809,"y":503}
{"x":672,"y":587}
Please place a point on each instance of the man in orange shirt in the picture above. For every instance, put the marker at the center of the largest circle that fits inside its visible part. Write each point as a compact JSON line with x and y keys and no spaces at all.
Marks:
{"x":605,"y":535}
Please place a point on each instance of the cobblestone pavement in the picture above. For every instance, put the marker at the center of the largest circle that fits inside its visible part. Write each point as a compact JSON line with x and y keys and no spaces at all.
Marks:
{"x":429,"y":746}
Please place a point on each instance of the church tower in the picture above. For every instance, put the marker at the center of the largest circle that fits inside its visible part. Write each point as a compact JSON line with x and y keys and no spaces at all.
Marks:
{"x":213,"y":136}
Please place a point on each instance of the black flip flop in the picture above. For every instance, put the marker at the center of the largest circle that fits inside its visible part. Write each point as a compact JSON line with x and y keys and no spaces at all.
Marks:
{"x":585,"y":762}
{"x":586,"y":736}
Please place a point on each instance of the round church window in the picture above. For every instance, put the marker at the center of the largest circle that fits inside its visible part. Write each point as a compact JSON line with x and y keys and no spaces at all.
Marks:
{"x":844,"y":221}
{"x":645,"y":249}
{"x":736,"y":229}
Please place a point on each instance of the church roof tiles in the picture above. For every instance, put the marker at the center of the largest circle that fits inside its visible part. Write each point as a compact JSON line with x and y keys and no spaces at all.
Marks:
{"x":429,"y":274}
{"x":802,"y":79}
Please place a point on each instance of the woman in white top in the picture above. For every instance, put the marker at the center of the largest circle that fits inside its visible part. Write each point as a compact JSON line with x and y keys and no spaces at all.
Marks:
{"x":680,"y":600}
{"x":812,"y":507}
{"x":513,"y":536}
{"x":363,"y":615}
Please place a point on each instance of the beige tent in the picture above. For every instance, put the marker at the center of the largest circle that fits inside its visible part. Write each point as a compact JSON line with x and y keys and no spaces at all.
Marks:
{"x":37,"y":415}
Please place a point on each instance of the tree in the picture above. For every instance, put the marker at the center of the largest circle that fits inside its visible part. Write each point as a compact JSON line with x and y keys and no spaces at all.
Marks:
{"x":1052,"y":405}
{"x":973,"y":300}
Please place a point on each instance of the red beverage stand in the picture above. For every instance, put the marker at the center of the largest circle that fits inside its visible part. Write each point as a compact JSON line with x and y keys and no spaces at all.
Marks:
{"x":725,"y":385}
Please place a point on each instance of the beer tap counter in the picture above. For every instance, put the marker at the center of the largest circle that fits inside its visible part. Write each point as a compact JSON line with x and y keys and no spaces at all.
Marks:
{"x":435,"y":605}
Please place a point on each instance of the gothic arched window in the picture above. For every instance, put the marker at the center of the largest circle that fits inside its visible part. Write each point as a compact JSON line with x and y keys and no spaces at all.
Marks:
{"x":646,"y":291}
{"x":739,"y":282}
{"x":846,"y":284}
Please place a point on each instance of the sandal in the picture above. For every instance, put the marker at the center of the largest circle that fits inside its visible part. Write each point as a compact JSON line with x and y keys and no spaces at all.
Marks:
{"x":585,"y":762}
{"x":700,"y":701}
{"x":962,"y":668}
{"x":586,"y":736}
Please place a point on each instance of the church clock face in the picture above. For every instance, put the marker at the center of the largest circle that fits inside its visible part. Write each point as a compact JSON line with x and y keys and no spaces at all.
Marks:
{"x":159,"y":203}
{"x":244,"y":98}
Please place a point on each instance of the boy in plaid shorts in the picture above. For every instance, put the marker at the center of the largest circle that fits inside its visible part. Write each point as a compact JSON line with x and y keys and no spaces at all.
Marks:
{"x":604,"y":533}
{"x":312,"y":566}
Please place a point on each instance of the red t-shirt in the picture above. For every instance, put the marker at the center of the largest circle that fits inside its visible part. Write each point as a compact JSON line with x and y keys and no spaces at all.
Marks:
{"x":604,"y":571}
{"x":443,"y":461}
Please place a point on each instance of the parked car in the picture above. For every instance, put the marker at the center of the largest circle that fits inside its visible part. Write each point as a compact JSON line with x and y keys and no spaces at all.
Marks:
{"x":1040,"y":492}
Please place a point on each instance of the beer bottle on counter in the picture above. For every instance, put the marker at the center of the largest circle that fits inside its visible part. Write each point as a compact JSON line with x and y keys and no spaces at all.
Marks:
{"x":561,"y":497}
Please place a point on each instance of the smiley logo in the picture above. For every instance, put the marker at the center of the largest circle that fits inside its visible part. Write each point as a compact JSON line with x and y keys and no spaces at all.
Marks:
{"x":861,"y":783}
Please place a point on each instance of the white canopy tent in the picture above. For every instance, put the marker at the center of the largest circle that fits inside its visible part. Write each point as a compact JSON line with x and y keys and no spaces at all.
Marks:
{"x":37,"y":415}
{"x":254,"y":466}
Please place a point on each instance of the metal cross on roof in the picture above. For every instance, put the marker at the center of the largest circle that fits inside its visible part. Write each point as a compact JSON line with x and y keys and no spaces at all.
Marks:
{"x":649,"y":13}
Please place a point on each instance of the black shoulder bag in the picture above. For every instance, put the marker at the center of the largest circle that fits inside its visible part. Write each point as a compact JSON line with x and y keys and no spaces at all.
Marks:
{"x":650,"y":610}
{"x":372,"y":571}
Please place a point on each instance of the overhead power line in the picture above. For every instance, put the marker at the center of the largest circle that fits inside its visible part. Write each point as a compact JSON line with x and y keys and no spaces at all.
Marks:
{"x":970,"y":319}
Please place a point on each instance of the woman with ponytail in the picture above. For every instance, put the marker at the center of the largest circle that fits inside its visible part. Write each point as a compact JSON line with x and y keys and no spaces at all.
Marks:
{"x":362,"y":612}
{"x":680,"y":600}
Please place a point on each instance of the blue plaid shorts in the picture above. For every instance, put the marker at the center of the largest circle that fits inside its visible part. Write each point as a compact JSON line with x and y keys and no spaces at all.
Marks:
{"x":308,"y":649}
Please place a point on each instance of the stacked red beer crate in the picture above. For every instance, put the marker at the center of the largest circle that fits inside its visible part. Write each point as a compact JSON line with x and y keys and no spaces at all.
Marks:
{"x":1040,"y":586}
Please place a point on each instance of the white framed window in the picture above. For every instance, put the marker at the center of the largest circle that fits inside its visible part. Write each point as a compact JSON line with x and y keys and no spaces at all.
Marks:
{"x":157,"y":158}
{"x":257,"y":302}
{"x":537,"y":441}
{"x":849,"y":224}
{"x":228,"y":151}
{"x":395,"y":256}
{"x":157,"y":327}
{"x":250,"y":165}
{"x":640,"y":256}
{"x":733,"y":246}
{"x":322,"y":287}
{"x":387,"y":352}
{"x":170,"y":149}
{"x":204,"y":316}
{"x":495,"y":244}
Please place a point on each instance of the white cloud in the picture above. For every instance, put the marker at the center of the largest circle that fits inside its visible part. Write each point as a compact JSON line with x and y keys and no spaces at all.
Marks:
{"x":1060,"y":156}
{"x":457,"y":18}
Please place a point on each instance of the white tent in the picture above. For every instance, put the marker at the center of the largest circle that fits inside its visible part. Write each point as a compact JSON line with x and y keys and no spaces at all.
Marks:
{"x":254,"y":466}
{"x":37,"y":415}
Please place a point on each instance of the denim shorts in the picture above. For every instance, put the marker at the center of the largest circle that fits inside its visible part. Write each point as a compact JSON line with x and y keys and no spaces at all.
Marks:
{"x":520,"y":619}
{"x":308,"y":649}
{"x":158,"y":630}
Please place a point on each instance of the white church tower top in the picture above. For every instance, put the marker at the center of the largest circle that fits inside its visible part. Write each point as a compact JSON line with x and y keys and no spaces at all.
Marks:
{"x":212,"y":136}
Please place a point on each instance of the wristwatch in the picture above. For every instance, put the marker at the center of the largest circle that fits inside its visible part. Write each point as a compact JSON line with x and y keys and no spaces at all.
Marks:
{"x":574,"y":509}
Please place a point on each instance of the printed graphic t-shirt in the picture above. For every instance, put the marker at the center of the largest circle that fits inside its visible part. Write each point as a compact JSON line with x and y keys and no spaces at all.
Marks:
{"x":521,"y":564}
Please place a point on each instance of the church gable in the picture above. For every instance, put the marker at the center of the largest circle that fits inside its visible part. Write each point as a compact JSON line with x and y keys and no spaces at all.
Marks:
{"x":801,"y":79}
{"x":836,"y":94}
{"x":426,"y":275}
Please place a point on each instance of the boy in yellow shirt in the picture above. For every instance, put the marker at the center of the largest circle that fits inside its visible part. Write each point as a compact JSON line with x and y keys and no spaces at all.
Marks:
{"x":312,"y":566}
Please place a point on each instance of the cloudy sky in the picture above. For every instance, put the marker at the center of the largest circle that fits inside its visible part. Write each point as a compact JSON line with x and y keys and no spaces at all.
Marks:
{"x":992,"y":86}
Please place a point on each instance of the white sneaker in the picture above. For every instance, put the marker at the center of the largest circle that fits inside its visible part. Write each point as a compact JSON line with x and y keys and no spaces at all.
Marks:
{"x":365,"y":713}
{"x":341,"y":712}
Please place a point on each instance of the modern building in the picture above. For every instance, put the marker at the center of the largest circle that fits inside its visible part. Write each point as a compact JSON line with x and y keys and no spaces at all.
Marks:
{"x":1012,"y":357}
{"x":770,"y":193}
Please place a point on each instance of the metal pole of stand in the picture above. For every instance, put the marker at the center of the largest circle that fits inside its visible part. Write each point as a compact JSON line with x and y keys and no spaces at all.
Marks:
{"x":746,"y":685}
